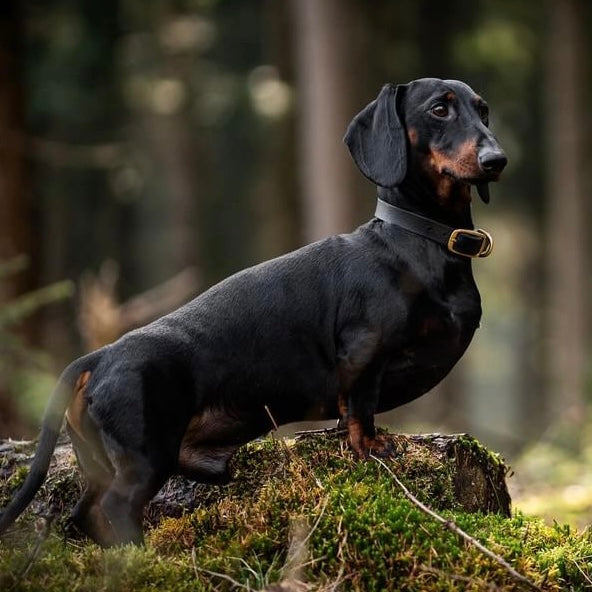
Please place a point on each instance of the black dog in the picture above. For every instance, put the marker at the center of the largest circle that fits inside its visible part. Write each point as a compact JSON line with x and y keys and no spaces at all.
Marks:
{"x":343,"y":328}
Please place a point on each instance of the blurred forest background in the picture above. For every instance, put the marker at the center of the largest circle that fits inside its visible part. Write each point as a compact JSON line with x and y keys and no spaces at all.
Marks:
{"x":149,"y":148}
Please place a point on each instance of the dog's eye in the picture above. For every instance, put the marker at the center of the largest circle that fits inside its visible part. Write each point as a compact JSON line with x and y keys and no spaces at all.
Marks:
{"x":439,"y":110}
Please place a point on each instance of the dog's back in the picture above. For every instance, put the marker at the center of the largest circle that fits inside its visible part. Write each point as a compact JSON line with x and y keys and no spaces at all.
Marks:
{"x":346,"y":327}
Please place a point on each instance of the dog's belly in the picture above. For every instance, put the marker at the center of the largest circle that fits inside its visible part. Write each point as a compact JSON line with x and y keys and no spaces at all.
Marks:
{"x":210,"y":440}
{"x":401,"y":385}
{"x":204,"y":463}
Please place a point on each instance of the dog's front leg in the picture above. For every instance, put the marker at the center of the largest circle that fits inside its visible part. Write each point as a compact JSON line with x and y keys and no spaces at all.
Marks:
{"x":357,"y":408}
{"x":360,"y":373}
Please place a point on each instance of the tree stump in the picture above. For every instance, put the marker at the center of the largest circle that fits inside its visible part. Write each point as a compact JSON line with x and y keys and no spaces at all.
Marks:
{"x":446,"y":471}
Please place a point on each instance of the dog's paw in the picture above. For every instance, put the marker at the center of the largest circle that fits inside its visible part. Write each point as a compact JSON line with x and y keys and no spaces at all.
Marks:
{"x":366,"y":446}
{"x":380,"y":446}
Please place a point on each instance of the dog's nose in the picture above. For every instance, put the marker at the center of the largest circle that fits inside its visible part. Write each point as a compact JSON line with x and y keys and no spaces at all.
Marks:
{"x":492,"y":161}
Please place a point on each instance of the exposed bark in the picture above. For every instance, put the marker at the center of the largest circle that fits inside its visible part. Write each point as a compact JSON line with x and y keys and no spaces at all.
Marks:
{"x":474,"y":478}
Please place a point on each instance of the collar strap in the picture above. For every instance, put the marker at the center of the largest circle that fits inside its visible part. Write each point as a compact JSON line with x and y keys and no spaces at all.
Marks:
{"x":461,"y":241}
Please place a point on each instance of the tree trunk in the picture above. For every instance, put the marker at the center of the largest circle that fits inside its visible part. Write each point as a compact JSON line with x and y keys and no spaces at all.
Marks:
{"x":15,"y":233}
{"x":275,"y":195}
{"x":566,"y":248}
{"x":15,"y":219}
{"x":324,"y":52}
{"x":174,"y":149}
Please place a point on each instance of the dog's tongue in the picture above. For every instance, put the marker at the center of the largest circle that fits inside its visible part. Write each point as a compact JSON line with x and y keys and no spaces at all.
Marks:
{"x":483,"y":191}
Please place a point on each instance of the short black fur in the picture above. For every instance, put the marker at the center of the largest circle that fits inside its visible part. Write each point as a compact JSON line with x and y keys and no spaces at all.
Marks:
{"x":343,"y":328}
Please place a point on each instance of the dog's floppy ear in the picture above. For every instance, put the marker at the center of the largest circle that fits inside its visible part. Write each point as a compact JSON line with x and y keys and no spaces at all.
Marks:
{"x":376,"y":138}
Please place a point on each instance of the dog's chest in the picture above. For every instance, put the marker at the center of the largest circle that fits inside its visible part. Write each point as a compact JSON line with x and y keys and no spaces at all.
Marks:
{"x":446,"y":318}
{"x":443,"y":316}
{"x":440,"y":327}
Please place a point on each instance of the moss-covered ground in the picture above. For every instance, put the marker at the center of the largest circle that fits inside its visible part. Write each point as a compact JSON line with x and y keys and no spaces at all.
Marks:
{"x":309,"y":512}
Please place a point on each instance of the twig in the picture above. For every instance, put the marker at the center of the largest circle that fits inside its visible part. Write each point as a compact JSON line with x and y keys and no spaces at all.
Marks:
{"x":282,"y":441}
{"x":197,"y":569}
{"x":297,"y":548}
{"x":316,"y":524}
{"x":42,"y":526}
{"x":457,"y":530}
{"x":332,"y":587}
{"x":275,"y":425}
{"x":336,"y":431}
{"x":582,"y":571}
{"x":458,"y":578}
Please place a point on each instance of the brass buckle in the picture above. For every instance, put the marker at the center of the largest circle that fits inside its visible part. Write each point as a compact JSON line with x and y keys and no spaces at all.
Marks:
{"x":486,"y":244}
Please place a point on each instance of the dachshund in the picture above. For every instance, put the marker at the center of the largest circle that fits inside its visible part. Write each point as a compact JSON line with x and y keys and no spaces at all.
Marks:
{"x":343,"y":328}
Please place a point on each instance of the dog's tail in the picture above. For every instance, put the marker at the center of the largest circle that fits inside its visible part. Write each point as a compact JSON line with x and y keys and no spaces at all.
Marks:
{"x":50,"y":429}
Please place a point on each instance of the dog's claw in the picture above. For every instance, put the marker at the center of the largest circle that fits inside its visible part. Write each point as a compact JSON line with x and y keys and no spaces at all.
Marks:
{"x":380,"y":446}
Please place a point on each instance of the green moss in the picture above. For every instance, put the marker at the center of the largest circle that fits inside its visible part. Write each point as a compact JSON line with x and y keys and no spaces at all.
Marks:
{"x":14,"y":481}
{"x":358,"y":530}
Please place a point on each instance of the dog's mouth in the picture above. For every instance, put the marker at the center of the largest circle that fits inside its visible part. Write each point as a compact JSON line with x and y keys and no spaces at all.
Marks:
{"x":482,"y":177}
{"x":481,"y":182}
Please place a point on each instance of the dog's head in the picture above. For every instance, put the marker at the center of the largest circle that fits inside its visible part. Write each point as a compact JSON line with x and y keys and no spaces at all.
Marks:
{"x":431,"y":128}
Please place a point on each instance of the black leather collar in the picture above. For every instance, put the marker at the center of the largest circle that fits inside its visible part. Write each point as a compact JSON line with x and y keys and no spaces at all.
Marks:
{"x":461,"y":241}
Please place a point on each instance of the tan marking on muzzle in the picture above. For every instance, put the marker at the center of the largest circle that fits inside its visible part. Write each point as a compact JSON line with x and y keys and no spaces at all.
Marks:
{"x":461,"y":164}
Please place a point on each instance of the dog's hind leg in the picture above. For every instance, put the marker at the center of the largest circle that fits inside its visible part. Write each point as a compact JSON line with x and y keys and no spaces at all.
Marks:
{"x":138,"y":477}
{"x":138,"y":431}
{"x":87,"y":516}
{"x":89,"y":519}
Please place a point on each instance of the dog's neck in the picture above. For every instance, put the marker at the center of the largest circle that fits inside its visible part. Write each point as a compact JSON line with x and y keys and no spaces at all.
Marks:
{"x":419,"y":199}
